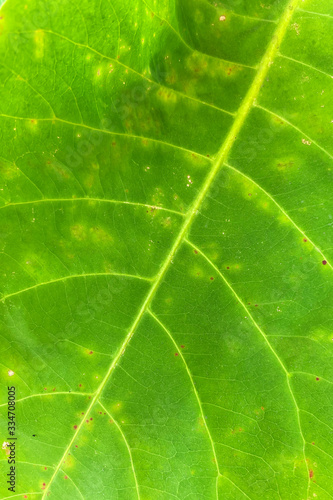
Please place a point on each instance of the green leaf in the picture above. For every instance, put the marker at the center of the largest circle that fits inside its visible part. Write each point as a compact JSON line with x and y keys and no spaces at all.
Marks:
{"x":166,"y":248}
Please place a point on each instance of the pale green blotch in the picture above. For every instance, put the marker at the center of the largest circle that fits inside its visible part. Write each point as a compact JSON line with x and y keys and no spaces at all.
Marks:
{"x":39,"y":39}
{"x":167,"y":96}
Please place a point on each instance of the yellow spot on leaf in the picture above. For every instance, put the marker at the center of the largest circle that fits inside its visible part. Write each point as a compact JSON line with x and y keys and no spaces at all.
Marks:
{"x":167,"y":95}
{"x":79,"y":232}
{"x":39,"y":39}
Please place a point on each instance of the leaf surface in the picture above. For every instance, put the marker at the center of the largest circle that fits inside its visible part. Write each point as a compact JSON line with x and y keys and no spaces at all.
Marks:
{"x":166,"y":249}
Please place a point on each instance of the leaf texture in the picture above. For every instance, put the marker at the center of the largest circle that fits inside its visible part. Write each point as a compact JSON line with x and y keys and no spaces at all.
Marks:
{"x":166,"y":248}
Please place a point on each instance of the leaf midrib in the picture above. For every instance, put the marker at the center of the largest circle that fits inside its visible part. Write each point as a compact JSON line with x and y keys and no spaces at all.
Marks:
{"x":221,"y":157}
